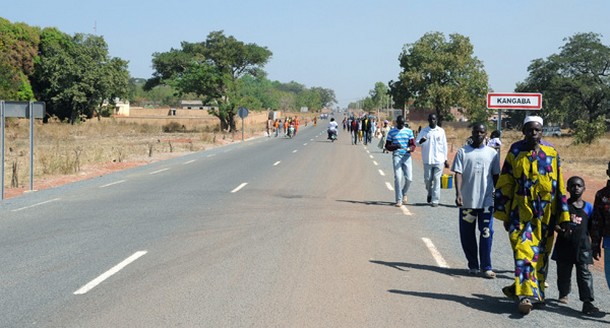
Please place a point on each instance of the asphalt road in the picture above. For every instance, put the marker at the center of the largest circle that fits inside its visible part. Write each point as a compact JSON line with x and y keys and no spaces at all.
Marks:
{"x":271,"y":232}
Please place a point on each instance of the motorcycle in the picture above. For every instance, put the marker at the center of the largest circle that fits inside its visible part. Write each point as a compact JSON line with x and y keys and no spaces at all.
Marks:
{"x":332,"y":135}
{"x":290,"y":131}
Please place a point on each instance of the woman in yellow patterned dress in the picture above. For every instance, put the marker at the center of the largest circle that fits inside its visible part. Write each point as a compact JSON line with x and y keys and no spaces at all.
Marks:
{"x":531,"y":199}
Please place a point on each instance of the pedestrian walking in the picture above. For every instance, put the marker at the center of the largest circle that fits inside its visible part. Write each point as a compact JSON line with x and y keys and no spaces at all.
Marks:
{"x":401,"y":143}
{"x":530,"y":199}
{"x":476,"y":169}
{"x":573,"y":248}
{"x":355,"y":132}
{"x":433,"y":142}
{"x":383,"y":136}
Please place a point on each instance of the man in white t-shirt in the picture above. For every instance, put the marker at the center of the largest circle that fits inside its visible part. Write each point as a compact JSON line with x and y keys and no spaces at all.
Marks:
{"x":433,"y":143}
{"x":476,"y":168}
{"x":332,"y":128}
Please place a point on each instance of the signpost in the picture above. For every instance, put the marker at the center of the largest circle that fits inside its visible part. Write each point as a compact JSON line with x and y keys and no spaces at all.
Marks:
{"x":243,"y":113}
{"x":513,"y":100}
{"x":20,"y":109}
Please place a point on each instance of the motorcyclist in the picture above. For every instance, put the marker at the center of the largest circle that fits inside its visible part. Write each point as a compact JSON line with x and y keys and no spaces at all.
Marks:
{"x":332,"y":129}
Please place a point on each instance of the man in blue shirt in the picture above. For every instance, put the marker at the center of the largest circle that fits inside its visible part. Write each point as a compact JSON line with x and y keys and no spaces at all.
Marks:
{"x":401,"y":143}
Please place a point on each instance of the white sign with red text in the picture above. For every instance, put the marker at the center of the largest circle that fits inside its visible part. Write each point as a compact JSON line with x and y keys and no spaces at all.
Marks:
{"x":515,"y":100}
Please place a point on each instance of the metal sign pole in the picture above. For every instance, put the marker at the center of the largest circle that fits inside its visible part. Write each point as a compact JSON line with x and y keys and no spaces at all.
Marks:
{"x":500,"y":127}
{"x":31,"y":111}
{"x":242,"y":129}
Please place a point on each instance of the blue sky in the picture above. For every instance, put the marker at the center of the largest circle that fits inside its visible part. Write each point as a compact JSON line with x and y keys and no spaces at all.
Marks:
{"x":346,"y":46}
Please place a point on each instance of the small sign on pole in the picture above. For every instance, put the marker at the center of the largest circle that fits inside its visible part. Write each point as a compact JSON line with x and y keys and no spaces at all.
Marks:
{"x":243,"y":113}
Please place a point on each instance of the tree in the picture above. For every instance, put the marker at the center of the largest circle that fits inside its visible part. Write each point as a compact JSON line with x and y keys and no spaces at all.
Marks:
{"x":74,"y":75}
{"x":327,"y":96}
{"x":575,"y":84}
{"x":211,"y":69}
{"x":18,"y":51}
{"x":379,"y":95}
{"x":441,"y":74}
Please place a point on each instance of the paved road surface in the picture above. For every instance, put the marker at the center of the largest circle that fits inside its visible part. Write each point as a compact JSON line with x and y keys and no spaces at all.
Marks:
{"x":271,"y":232}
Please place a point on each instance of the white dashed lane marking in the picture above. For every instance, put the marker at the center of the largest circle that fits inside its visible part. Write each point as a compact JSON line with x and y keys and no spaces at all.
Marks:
{"x":112,"y":183}
{"x":239,"y":187}
{"x":435,"y":253}
{"x":38,"y":204}
{"x":109,"y":273}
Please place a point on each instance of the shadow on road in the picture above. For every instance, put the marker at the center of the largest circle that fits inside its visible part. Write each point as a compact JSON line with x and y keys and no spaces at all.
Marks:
{"x":367,"y":202}
{"x":448,"y":271}
{"x":501,"y":305}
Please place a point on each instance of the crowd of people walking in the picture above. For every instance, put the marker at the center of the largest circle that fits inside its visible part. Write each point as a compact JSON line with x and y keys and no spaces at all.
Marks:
{"x":526,"y":193}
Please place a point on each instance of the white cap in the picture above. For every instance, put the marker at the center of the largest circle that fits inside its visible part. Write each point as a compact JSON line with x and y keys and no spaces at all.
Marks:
{"x":532,"y":119}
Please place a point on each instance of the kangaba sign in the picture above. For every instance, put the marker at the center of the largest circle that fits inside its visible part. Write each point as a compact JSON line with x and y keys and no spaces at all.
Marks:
{"x":524,"y":101}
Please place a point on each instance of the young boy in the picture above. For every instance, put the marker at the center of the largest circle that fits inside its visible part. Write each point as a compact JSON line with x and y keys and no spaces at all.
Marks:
{"x":600,"y":232}
{"x":573,"y":248}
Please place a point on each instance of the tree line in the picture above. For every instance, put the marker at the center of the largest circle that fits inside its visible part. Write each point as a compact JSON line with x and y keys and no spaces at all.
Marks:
{"x":76,"y":77}
{"x":440,"y":73}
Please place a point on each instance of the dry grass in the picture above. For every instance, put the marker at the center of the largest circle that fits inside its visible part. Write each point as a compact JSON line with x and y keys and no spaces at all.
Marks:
{"x":61,"y":149}
{"x":586,"y":160}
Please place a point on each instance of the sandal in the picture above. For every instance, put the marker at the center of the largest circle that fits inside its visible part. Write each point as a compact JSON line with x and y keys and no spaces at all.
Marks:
{"x":525,"y":306}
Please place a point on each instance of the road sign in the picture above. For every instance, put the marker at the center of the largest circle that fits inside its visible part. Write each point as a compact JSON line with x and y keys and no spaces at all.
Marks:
{"x":516,"y":100}
{"x":20,"y":109}
{"x":242,"y":112}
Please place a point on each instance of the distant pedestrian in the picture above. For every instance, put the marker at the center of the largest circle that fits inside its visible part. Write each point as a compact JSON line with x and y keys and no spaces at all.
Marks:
{"x":494,"y":141}
{"x":355,"y":132}
{"x":476,"y":168}
{"x":433,"y":142}
{"x":383,"y":136}
{"x":401,"y":143}
{"x":366,"y":129}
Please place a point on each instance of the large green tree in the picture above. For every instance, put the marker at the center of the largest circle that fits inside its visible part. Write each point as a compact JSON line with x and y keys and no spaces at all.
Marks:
{"x":74,"y":75}
{"x":211,"y":69}
{"x":18,"y":51}
{"x":441,"y":74}
{"x":575,"y":84}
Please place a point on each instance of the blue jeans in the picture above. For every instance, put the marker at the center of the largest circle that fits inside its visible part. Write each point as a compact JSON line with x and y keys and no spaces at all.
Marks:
{"x":607,"y":264}
{"x":432,"y":179}
{"x":469,"y":218}
{"x":402,"y":174}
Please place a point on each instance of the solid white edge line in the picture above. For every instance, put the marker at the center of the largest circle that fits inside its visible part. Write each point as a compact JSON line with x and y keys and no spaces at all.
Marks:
{"x":211,"y":155}
{"x":435,"y":253}
{"x":381,"y":172}
{"x":239,"y":187}
{"x":109,"y":273}
{"x":159,"y":171}
{"x":189,"y":162}
{"x":276,"y":163}
{"x":389,"y":186}
{"x":112,"y":183}
{"x":38,"y":204}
